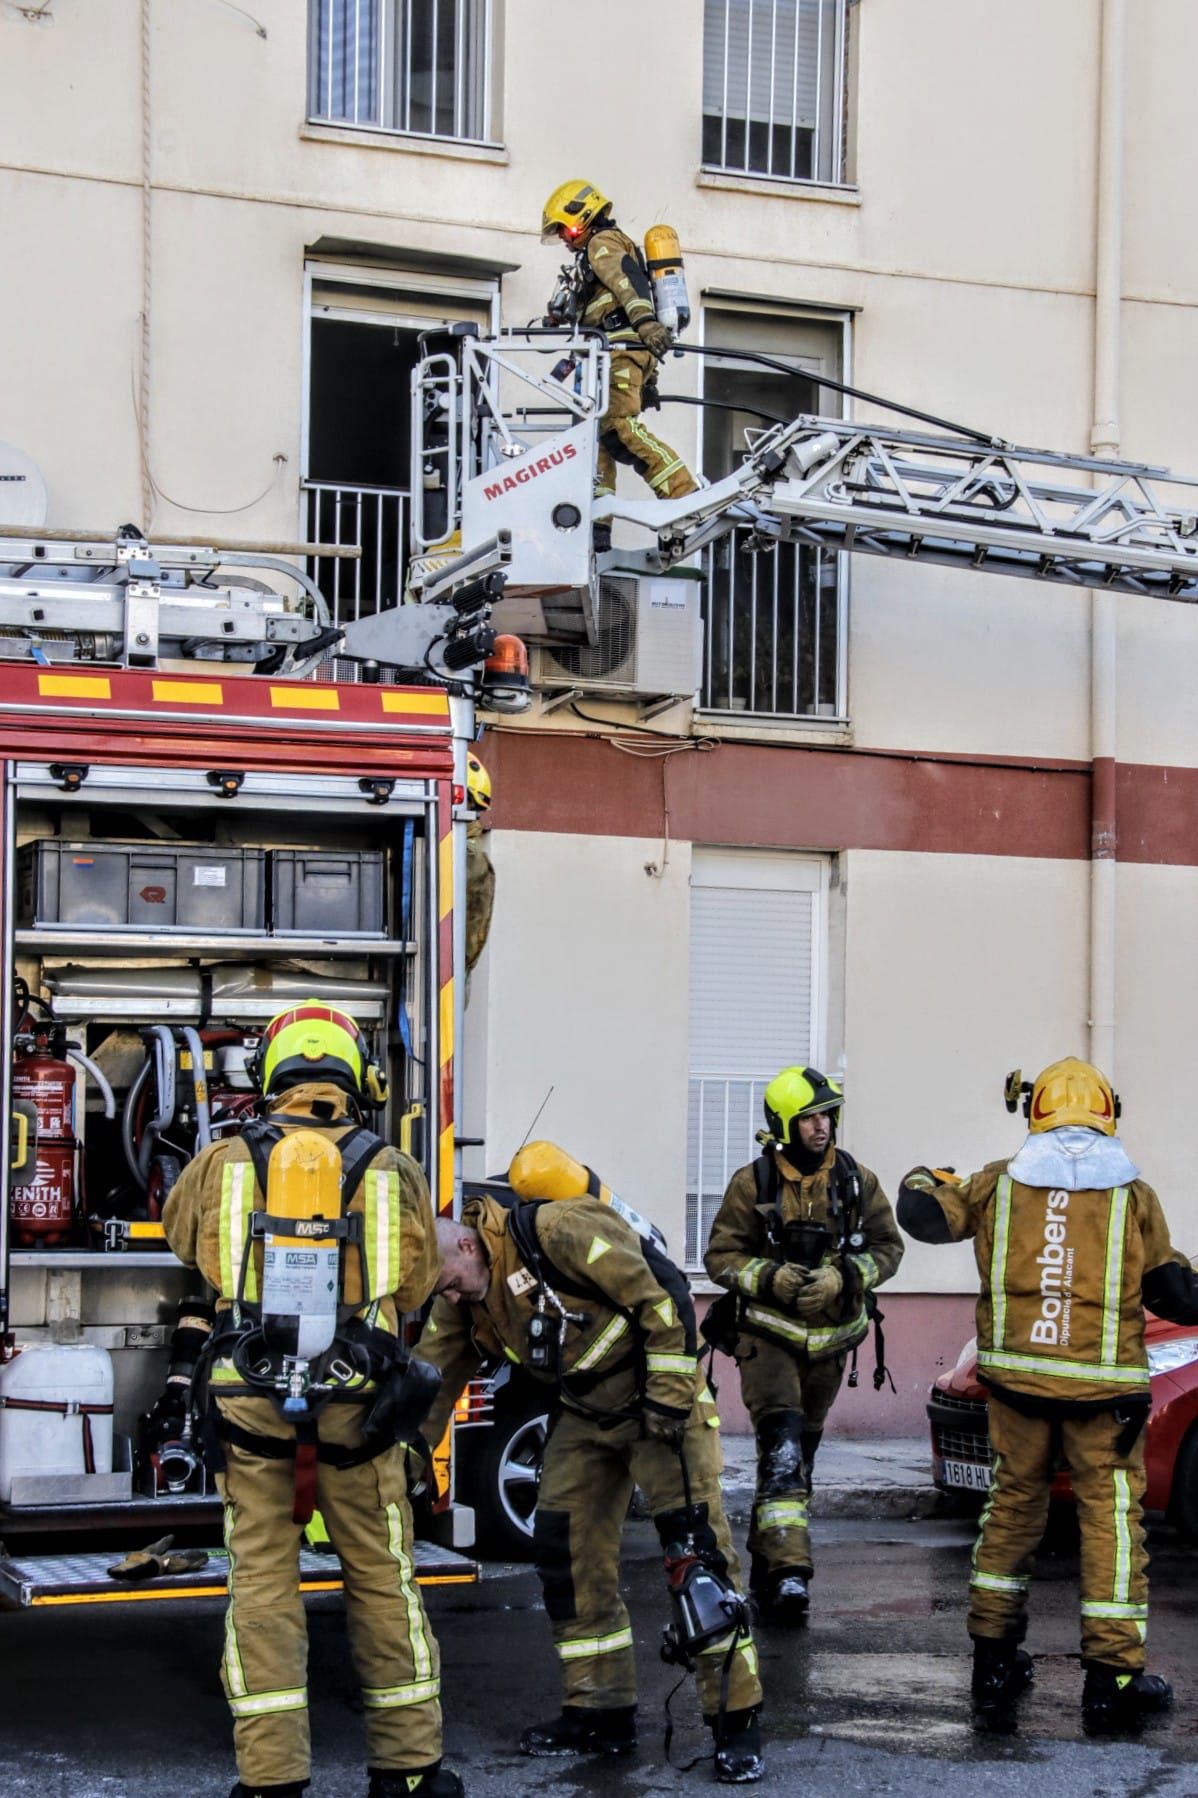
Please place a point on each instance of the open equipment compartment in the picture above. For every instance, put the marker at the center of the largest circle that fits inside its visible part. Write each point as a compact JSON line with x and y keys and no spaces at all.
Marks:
{"x":382,"y":802}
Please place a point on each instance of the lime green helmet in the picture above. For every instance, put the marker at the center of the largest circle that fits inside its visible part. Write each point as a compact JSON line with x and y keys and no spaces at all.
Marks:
{"x":798,"y":1093}
{"x":315,"y":1041}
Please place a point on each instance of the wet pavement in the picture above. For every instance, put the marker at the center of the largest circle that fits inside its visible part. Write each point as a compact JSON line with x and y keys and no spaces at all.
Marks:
{"x":871,"y":1697}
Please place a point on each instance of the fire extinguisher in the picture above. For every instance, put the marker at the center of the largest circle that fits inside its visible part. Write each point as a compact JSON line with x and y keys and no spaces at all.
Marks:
{"x":43,"y":1213}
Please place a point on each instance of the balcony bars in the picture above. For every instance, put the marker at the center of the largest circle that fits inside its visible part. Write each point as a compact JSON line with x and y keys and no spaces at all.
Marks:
{"x":415,"y":66}
{"x":771,"y":631}
{"x":773,"y":88}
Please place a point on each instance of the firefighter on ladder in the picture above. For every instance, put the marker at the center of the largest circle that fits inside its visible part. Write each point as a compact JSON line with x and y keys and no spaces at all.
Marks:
{"x":1071,"y":1244}
{"x":609,"y":290}
{"x":316,"y":1076}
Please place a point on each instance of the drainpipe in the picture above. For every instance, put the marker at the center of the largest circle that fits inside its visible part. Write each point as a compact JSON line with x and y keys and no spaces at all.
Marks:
{"x":1104,"y":441}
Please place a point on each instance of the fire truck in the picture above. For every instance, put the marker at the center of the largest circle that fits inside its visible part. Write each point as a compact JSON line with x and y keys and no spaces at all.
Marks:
{"x":199,"y":825}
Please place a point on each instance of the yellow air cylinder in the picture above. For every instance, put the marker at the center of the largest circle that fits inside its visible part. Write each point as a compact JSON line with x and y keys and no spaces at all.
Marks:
{"x":300,"y":1271}
{"x":663,"y":254}
{"x":540,"y":1170}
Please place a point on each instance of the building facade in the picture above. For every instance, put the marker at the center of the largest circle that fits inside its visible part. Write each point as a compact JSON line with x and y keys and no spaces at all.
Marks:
{"x":867,"y":840}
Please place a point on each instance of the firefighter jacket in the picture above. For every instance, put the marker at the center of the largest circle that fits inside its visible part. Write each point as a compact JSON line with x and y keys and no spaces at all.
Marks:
{"x":1064,"y":1275}
{"x":614,"y":291}
{"x":480,"y":893}
{"x":207,"y":1219}
{"x":743,"y":1253}
{"x":630,"y":1344}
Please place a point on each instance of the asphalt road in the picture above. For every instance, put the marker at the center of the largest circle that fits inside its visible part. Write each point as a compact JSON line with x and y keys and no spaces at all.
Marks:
{"x":871,"y":1697}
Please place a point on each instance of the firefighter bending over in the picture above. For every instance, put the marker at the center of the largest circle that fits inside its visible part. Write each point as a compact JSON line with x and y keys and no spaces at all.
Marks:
{"x":609,"y":290}
{"x":1071,"y":1244}
{"x":803,"y":1237}
{"x":579,"y":1300}
{"x":278,"y":1451}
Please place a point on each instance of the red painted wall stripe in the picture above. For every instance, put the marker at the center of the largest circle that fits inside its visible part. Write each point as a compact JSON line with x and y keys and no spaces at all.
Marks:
{"x":757,"y":795}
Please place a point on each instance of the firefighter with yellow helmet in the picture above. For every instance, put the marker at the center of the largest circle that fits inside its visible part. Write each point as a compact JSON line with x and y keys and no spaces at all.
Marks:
{"x":610,"y":291}
{"x":309,"y":1406}
{"x":803,"y":1238}
{"x":480,"y":874}
{"x":1070,"y":1244}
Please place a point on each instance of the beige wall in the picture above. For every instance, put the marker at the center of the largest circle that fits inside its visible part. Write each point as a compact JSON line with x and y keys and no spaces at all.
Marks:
{"x":583,"y":987}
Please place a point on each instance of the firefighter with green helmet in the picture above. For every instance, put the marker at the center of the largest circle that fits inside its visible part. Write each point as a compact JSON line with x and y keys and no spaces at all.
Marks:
{"x":1071,"y":1244}
{"x":275,"y":1461}
{"x":609,"y":290}
{"x":576,"y":1297}
{"x":803,"y":1238}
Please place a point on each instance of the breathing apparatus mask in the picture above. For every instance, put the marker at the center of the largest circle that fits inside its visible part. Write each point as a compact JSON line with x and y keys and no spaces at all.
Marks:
{"x":705,"y":1603}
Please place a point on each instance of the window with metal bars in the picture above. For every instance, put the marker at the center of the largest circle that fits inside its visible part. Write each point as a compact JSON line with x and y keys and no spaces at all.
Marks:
{"x":415,"y":66}
{"x":774,"y":78}
{"x":773,"y":618}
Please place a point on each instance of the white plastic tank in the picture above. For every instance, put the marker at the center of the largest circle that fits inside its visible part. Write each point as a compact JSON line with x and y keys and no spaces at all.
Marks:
{"x":55,"y":1405}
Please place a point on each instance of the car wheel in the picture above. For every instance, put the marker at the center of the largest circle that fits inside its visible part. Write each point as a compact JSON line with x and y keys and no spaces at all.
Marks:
{"x":501,"y":1477}
{"x":1183,"y":1496}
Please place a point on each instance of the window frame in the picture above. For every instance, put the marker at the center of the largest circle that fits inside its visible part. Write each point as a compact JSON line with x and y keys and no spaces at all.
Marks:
{"x":763,"y":306}
{"x":841,"y":175}
{"x":488,"y":139}
{"x":773,"y":867}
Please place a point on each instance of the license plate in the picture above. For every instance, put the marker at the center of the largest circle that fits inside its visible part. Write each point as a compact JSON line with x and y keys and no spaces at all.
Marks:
{"x":971,"y":1476}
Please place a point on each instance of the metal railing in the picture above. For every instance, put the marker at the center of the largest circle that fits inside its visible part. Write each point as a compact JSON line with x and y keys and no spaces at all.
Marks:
{"x":416,"y":66}
{"x":774,"y":87}
{"x":724,"y":1115}
{"x":771,"y":630}
{"x":375,"y":519}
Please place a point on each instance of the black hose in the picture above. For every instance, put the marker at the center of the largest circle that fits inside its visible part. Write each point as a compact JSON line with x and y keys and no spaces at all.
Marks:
{"x":857,"y":393}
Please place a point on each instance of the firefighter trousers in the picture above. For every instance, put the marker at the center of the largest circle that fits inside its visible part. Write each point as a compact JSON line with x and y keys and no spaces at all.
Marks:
{"x":788,"y":1399}
{"x":586,"y":1485}
{"x":1109,"y":1487}
{"x":264,"y":1666}
{"x":623,"y":436}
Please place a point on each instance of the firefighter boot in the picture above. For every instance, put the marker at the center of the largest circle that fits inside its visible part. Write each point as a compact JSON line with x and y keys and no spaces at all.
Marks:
{"x":579,"y":1731}
{"x":781,"y":1595}
{"x":1001,"y":1673}
{"x":739,"y":1760}
{"x":414,"y":1782}
{"x":1116,"y":1702}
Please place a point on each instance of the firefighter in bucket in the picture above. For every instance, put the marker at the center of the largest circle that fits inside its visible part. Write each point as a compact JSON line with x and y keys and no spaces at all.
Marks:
{"x":317,"y":1236}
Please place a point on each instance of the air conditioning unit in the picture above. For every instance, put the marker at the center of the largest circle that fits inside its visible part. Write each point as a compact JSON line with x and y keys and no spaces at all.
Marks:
{"x":649,"y":643}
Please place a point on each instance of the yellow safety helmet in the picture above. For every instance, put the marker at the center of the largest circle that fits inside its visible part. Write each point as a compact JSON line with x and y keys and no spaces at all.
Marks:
{"x":573,"y":208}
{"x":798,"y":1093}
{"x":478,"y":783}
{"x":313,"y":1041}
{"x":1066,"y":1092}
{"x":1072,"y":1092}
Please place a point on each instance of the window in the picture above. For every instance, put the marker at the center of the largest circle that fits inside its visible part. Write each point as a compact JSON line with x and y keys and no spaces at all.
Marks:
{"x":364,"y":328}
{"x":773,"y":620}
{"x":758,"y":929}
{"x":418,"y":66}
{"x":773,"y":88}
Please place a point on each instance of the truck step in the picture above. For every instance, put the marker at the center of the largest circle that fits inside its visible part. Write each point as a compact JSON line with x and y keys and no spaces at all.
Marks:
{"x":30,"y":1580}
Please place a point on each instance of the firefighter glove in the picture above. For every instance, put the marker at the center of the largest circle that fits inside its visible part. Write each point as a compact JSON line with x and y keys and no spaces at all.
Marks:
{"x":822,"y":1289}
{"x":669,"y":1429}
{"x":656,"y":337}
{"x":788,"y":1282}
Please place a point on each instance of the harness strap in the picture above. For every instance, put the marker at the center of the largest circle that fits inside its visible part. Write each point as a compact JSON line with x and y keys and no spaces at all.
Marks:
{"x":304,"y":1502}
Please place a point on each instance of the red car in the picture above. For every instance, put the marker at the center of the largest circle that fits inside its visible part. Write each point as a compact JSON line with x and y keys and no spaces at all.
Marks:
{"x":961,"y":1444}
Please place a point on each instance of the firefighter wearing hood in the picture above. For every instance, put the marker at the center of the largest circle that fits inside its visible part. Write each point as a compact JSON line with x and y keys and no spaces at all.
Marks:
{"x":802,"y":1239}
{"x":1071,"y":1244}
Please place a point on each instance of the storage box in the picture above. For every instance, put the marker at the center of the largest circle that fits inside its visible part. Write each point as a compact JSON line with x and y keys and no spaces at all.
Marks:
{"x":55,"y":1415}
{"x":318,"y":892}
{"x":142,"y":886}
